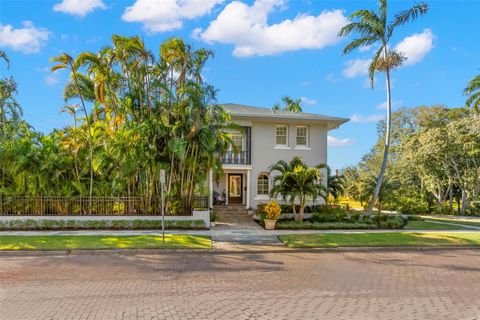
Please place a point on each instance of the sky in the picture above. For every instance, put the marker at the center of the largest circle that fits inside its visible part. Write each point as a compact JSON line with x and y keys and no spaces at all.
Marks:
{"x":264,"y":50}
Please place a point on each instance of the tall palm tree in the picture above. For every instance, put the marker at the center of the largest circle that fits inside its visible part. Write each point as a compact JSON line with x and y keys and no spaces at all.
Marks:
{"x":376,"y":30}
{"x":473,"y":91}
{"x":65,"y":61}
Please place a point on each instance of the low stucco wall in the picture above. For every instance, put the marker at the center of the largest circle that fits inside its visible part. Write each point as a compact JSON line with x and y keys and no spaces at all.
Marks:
{"x":197,"y":215}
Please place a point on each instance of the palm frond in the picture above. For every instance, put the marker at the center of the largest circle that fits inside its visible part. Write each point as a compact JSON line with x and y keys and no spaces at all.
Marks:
{"x":406,"y":16}
{"x":373,"y":65}
{"x":361,"y":42}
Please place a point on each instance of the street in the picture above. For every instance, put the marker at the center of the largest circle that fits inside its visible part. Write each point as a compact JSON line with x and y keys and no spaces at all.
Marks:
{"x":290,"y":285}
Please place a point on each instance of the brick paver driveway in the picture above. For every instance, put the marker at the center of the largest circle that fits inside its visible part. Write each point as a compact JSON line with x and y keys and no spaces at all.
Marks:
{"x":429,"y":285}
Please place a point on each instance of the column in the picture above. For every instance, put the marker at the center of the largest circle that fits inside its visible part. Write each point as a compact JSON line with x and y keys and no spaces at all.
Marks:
{"x":226,"y":188}
{"x":248,"y":189}
{"x":210,"y":188}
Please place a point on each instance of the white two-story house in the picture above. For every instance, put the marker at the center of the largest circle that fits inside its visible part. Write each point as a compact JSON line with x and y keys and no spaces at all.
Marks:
{"x":268,"y":136}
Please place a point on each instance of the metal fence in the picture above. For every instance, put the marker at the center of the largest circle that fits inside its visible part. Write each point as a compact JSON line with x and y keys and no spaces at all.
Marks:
{"x":104,"y":206}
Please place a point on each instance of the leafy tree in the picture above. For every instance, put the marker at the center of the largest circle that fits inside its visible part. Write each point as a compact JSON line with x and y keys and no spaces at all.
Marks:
{"x":375,"y":30}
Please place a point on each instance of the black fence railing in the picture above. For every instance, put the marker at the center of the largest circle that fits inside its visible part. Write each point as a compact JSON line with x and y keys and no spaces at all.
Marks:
{"x":104,"y":206}
{"x":241,"y":157}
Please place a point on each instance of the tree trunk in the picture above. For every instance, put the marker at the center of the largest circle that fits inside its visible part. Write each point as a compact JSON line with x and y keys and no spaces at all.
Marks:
{"x":301,"y":214}
{"x":387,"y":143}
{"x":464,"y":201}
{"x":450,"y":193}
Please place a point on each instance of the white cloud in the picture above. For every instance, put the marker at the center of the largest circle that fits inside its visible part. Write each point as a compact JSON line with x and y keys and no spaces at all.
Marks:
{"x":332,"y":77}
{"x":336,"y":142}
{"x":51,"y":79}
{"x":308,"y":100}
{"x":416,"y":46}
{"x":28,"y":39}
{"x":356,"y":67}
{"x":370,"y":118}
{"x":395,"y":104}
{"x":167,"y":15}
{"x":78,"y":7}
{"x":247,"y":28}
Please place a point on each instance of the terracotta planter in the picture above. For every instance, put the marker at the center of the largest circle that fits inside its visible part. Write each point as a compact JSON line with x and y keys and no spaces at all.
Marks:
{"x":270,"y":224}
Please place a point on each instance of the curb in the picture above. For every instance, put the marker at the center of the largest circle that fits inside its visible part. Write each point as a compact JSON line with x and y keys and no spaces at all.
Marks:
{"x":43,"y":253}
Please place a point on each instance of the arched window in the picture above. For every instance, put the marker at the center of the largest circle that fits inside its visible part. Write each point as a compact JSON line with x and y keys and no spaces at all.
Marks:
{"x":263,"y":186}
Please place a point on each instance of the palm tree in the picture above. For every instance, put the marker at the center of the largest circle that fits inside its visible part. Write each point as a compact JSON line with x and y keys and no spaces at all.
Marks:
{"x":280,"y":185}
{"x":473,"y":90}
{"x":291,"y":105}
{"x":375,"y":30}
{"x":335,"y":184}
{"x":297,"y":181}
{"x":65,"y":61}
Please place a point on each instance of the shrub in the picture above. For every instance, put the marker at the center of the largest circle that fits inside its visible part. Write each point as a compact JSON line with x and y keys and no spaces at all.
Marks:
{"x":409,"y":205}
{"x":272,"y":210}
{"x":385,"y":221}
{"x":412,"y":217}
{"x":286,"y":225}
{"x":30,"y":224}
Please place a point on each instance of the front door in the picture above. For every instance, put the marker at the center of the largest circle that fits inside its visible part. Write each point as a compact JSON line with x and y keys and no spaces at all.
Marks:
{"x":235,"y":187}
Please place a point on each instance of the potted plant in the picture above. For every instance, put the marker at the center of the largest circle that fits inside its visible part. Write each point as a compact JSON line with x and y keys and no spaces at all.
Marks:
{"x":272,"y":212}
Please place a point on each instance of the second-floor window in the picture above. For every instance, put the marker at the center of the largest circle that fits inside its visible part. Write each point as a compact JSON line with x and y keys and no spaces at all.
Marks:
{"x":237,"y":143}
{"x":302,"y":136}
{"x":281,"y":135}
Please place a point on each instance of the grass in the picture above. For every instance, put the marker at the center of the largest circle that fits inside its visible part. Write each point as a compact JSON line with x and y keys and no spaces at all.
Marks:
{"x":428,"y":225}
{"x":389,"y":239}
{"x":454,"y":220}
{"x":172,"y":241}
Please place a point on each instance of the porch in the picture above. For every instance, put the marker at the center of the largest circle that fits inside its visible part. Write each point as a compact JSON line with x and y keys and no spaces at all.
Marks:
{"x":232,"y":187}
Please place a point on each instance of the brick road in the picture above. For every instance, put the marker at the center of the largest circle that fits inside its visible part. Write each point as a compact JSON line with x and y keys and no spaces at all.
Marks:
{"x":397,"y":285}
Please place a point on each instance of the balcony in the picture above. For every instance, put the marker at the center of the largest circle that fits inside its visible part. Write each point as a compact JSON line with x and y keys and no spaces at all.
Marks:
{"x":241,"y":157}
{"x":241,"y":143}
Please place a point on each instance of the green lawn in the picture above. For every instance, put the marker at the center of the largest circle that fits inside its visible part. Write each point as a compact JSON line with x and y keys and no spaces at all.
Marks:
{"x":389,"y":239}
{"x":428,"y":225}
{"x":172,"y":241}
{"x":453,"y":220}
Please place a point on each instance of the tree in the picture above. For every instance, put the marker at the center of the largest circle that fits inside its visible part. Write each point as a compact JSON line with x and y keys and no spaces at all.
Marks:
{"x":298,"y":181}
{"x":473,"y":92}
{"x":291,"y":105}
{"x":335,"y":184}
{"x":375,"y":29}
{"x":281,"y":186}
{"x":65,"y":61}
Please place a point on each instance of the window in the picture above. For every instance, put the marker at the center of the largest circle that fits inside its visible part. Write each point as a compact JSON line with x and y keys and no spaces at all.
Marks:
{"x":262,"y":185}
{"x":237,"y":142}
{"x":281,"y":137}
{"x":302,"y":136}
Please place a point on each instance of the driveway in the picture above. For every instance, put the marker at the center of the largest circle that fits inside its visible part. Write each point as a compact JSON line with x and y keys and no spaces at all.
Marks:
{"x":429,"y":285}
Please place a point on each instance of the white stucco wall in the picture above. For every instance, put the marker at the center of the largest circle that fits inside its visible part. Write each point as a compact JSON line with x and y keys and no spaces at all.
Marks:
{"x":264,"y":153}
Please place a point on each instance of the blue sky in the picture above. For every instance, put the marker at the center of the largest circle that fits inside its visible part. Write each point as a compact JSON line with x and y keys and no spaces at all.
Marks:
{"x":264,"y":49}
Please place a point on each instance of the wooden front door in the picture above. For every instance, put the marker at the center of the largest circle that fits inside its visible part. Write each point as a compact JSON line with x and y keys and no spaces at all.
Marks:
{"x":235,"y":188}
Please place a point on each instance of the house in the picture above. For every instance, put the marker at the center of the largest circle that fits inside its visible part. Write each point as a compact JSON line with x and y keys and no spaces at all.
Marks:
{"x":268,"y":136}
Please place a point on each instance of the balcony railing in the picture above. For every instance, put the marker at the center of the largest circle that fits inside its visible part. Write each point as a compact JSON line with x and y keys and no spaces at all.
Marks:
{"x":241,"y":157}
